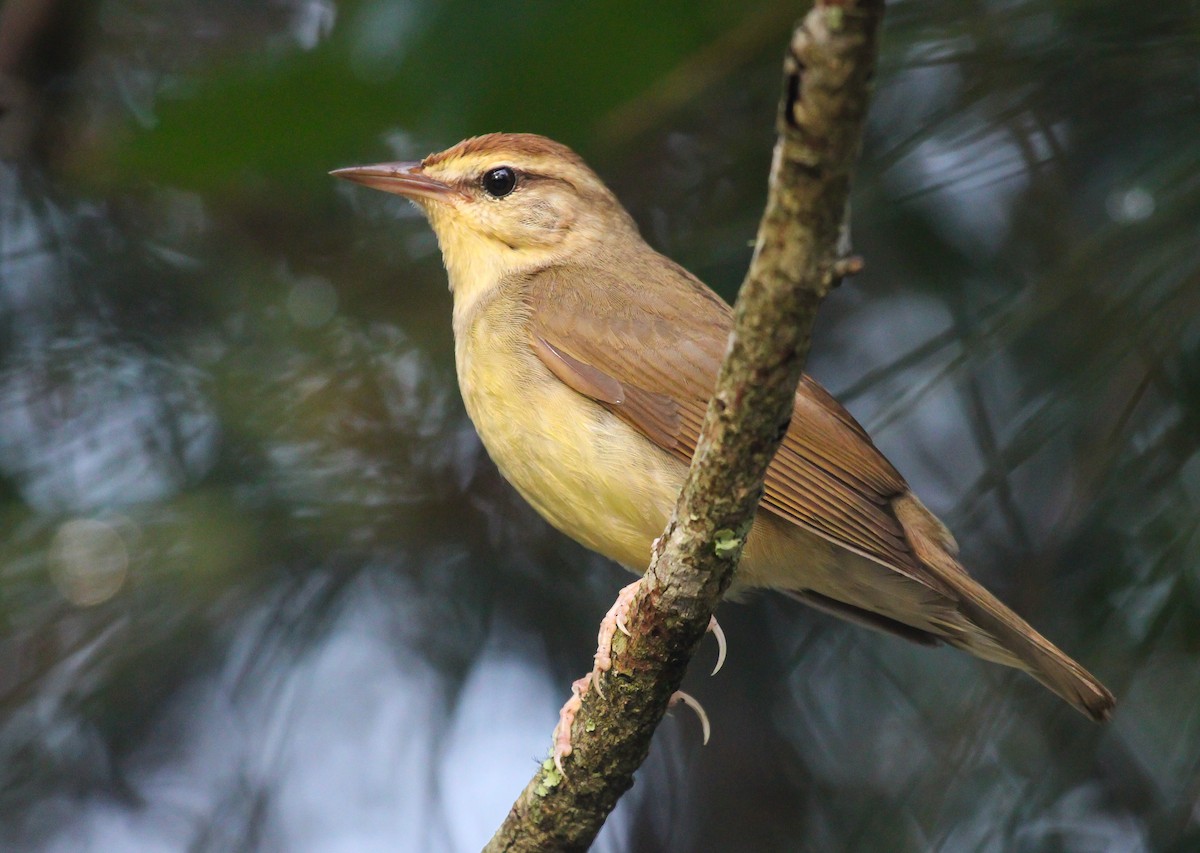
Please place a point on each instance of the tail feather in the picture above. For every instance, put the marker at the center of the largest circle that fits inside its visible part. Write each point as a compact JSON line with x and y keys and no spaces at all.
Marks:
{"x":1026,"y":649}
{"x":1003,"y":637}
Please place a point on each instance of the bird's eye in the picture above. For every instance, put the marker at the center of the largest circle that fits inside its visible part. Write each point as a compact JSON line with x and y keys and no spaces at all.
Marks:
{"x":499,"y":182}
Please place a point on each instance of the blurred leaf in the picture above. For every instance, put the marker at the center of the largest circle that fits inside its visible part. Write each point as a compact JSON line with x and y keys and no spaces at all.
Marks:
{"x":448,"y":70}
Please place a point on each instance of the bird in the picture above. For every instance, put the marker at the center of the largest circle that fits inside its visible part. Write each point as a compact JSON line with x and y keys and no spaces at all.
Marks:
{"x":586,"y":360}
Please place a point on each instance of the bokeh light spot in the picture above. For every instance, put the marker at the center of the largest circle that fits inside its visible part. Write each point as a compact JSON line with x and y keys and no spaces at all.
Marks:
{"x":88,"y":561}
{"x":1130,"y":205}
{"x":312,"y":302}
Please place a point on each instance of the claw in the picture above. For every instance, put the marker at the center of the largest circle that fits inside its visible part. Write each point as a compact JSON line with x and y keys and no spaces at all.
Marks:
{"x":680,"y":696}
{"x":566,"y":718}
{"x":719,"y":635}
{"x":619,"y":618}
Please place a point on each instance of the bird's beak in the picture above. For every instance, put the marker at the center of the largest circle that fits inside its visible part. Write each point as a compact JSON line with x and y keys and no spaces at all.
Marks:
{"x":404,"y":179}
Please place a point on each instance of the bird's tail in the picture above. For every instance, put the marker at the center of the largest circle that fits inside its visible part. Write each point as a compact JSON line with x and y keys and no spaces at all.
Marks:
{"x":1003,"y":636}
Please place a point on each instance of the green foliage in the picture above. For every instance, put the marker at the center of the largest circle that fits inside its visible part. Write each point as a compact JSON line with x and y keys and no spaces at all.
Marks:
{"x":451,"y":69}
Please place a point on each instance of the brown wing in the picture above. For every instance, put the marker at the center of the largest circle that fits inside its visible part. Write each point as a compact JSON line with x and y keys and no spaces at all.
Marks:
{"x":611,"y":342}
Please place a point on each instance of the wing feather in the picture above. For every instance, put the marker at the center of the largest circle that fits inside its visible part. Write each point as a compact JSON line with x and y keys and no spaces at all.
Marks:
{"x":657,"y":374}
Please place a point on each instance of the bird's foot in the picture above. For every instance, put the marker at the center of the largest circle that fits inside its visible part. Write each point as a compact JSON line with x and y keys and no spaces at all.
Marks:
{"x":614,"y":620}
{"x":566,"y":717}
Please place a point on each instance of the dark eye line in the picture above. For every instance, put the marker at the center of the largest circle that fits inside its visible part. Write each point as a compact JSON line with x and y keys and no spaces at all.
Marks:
{"x":522,"y":179}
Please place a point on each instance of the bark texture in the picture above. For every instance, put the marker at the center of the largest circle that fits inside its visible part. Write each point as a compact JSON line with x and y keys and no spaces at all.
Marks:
{"x":797,"y":259}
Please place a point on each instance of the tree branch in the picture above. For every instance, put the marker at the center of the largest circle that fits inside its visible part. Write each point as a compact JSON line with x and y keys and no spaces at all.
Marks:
{"x":797,"y":260}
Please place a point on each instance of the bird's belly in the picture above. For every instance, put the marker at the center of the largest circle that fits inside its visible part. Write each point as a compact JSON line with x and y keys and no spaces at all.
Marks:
{"x":596,"y":478}
{"x":583,"y":469}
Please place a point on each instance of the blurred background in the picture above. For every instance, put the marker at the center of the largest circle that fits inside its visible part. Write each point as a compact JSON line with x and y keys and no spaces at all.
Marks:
{"x":260,"y":587}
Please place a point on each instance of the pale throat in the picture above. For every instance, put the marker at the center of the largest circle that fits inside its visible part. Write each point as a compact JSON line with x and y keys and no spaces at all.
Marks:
{"x":475,"y":263}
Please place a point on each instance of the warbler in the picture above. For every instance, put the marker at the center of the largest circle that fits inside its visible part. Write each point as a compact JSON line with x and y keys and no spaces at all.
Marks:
{"x":586,"y":361}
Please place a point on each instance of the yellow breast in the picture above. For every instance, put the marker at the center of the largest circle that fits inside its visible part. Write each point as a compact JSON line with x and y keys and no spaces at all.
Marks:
{"x":583,"y":469}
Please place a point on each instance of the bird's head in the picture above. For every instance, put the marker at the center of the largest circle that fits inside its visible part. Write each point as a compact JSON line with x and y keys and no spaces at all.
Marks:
{"x":505,"y":203}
